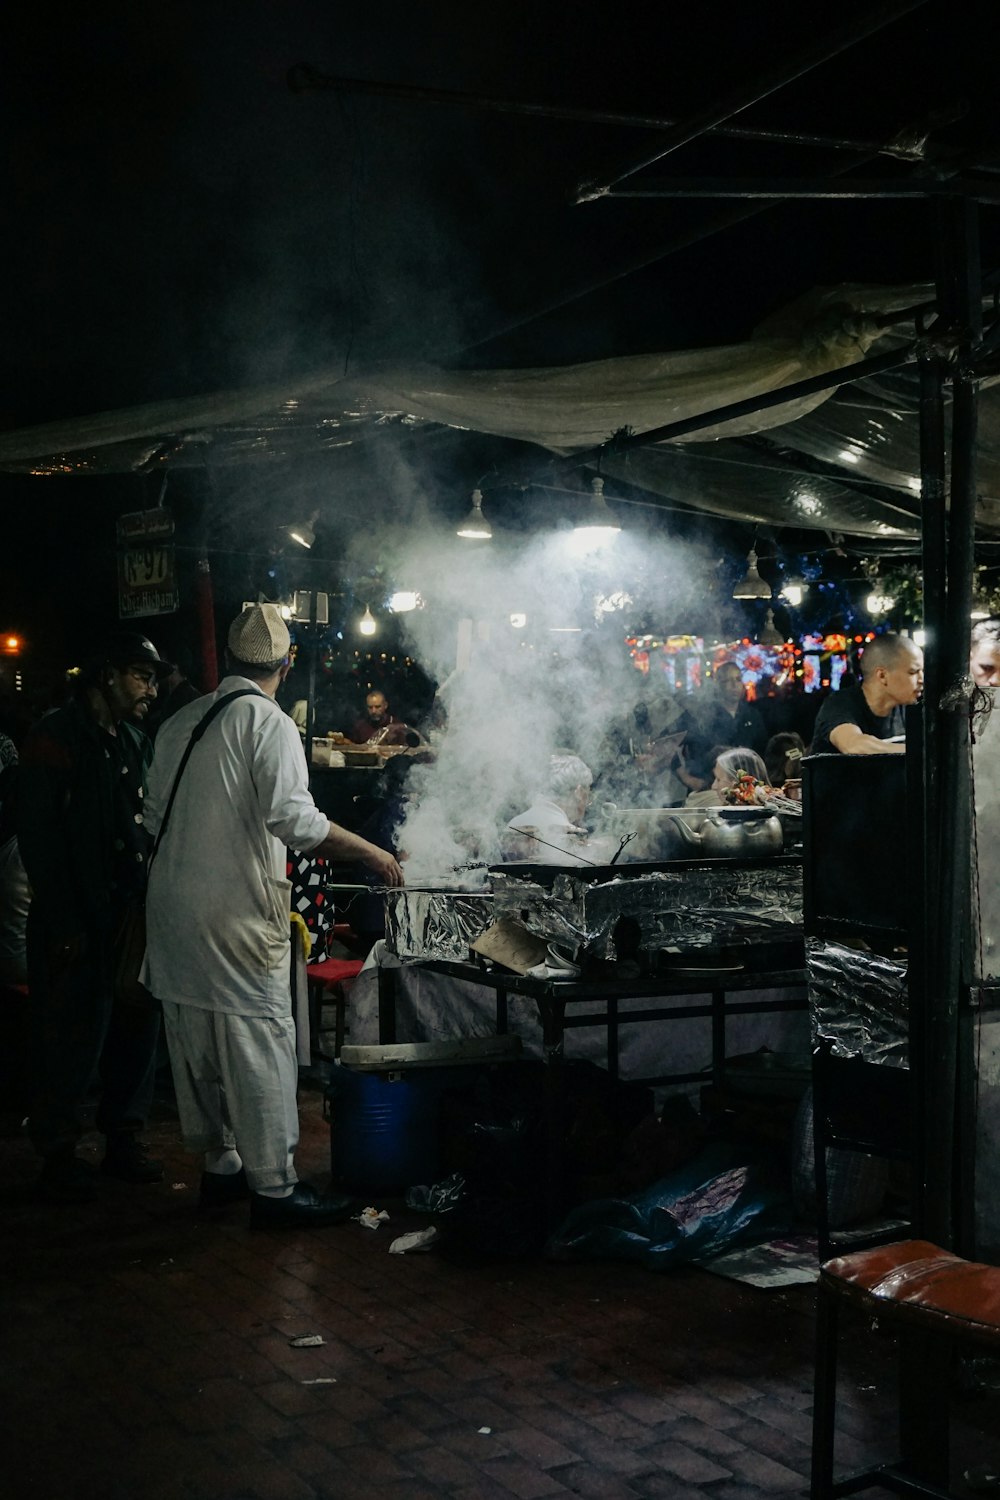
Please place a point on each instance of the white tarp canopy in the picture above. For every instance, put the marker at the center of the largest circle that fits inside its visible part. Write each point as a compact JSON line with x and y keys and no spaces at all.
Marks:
{"x":563,"y":409}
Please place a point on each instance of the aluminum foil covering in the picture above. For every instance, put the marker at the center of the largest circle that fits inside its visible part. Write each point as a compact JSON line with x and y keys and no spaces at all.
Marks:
{"x":986,"y":1002}
{"x":986,"y":849}
{"x":695,"y":908}
{"x":858,"y":1002}
{"x":435,"y":924}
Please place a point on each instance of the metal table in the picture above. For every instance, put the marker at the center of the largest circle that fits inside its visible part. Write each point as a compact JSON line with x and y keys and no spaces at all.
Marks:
{"x":556,"y":998}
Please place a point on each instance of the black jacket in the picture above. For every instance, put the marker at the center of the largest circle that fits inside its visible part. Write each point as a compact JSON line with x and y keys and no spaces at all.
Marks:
{"x":717,"y":727}
{"x":77,"y":814}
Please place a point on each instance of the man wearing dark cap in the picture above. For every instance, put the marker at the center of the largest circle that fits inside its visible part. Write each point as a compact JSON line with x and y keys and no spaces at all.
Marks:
{"x":218,"y":921}
{"x":78,"y":817}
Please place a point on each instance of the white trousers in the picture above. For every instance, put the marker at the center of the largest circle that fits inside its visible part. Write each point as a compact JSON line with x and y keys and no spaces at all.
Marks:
{"x":235,"y":1079}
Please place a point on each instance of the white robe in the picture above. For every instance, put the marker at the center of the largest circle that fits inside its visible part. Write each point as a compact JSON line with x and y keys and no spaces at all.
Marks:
{"x":217,"y":912}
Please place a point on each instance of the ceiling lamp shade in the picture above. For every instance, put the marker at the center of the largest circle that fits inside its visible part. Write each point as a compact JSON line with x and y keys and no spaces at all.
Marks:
{"x":303,"y":532}
{"x":751,"y":585}
{"x":367,"y":624}
{"x":597,"y":520}
{"x":770,"y":635}
{"x":475,"y":523}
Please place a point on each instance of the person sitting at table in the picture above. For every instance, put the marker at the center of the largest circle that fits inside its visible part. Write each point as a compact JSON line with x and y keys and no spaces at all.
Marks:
{"x":727,"y":763}
{"x":723,"y":717}
{"x":783,"y":756}
{"x":866,"y":718}
{"x":984,"y":654}
{"x":551,"y":830}
{"x":380,"y":725}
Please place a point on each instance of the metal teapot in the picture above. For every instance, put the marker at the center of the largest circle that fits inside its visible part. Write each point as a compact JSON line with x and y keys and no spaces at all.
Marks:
{"x":733,"y":832}
{"x":654,"y":830}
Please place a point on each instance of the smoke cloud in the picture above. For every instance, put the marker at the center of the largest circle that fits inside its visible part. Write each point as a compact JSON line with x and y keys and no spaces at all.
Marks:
{"x":514,"y":695}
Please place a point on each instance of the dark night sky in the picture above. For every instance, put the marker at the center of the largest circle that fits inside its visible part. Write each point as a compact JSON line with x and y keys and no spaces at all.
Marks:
{"x":178,"y":221}
{"x":183,"y":221}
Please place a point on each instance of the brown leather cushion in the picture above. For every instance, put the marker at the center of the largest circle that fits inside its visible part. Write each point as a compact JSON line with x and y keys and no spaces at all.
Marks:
{"x":921,"y":1283}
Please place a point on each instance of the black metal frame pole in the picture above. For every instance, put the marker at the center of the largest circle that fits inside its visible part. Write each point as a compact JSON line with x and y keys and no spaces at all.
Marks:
{"x":922,"y":793}
{"x":812,"y":385}
{"x":956,"y":771}
{"x":302,"y":77}
{"x":936,"y":984}
{"x":791,"y":189}
{"x":311,"y":698}
{"x":786,"y":71}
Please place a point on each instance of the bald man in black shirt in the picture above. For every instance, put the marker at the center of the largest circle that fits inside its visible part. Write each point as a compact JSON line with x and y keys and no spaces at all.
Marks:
{"x":863,"y":718}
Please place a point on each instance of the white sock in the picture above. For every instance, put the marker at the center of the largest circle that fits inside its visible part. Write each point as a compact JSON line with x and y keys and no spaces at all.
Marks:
{"x":284,"y":1190}
{"x":224,"y":1163}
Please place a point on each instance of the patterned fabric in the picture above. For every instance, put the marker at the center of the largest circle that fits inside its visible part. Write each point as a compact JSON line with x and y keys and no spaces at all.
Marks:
{"x":311,"y":900}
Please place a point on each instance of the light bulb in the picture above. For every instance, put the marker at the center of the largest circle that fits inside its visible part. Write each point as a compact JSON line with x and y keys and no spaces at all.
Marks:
{"x":475,"y":524}
{"x":597,"y":523}
{"x":367,"y":624}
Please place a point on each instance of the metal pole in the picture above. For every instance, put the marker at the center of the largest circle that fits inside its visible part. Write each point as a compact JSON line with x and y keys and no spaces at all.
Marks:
{"x":311,"y":692}
{"x":205,"y":607}
{"x":813,"y":384}
{"x":793,"y":189}
{"x":303,"y":77}
{"x":922,"y":760}
{"x":935,"y":997}
{"x":956,"y":779}
{"x":759,"y":88}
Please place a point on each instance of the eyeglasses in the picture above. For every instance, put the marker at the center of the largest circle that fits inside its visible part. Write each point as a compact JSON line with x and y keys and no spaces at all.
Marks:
{"x":142,"y":674}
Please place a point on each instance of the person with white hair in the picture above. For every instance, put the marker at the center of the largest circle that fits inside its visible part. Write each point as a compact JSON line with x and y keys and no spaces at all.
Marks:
{"x":228,"y":791}
{"x":551,"y":830}
{"x":984,"y":654}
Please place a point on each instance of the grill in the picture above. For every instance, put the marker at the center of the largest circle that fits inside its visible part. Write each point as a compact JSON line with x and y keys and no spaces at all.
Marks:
{"x":607,"y":911}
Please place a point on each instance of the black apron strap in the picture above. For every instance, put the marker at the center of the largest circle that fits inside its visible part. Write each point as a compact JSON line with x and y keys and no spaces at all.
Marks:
{"x":196,"y":735}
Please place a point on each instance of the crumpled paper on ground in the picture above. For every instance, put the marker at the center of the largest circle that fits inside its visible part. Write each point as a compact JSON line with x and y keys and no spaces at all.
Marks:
{"x":418,"y":1239}
{"x":371,"y":1218}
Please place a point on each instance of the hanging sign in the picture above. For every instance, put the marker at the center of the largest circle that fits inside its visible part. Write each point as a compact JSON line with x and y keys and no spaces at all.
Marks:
{"x":147,"y":570}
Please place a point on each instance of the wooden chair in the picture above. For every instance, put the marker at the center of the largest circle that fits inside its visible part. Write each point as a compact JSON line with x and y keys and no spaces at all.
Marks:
{"x":936,"y":1304}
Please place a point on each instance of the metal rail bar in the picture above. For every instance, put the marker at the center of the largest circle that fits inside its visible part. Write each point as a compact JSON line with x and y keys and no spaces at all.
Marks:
{"x":303,"y":78}
{"x":935,"y":980}
{"x":785,"y":72}
{"x":843,"y":375}
{"x":808,"y":188}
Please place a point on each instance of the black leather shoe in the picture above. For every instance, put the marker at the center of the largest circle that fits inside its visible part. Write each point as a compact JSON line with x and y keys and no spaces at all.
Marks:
{"x":67,"y":1178}
{"x":220,"y":1191}
{"x":304,"y":1208}
{"x":126,"y":1159}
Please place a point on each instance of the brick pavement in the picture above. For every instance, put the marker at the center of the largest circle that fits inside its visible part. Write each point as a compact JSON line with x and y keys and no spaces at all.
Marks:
{"x":147,"y":1357}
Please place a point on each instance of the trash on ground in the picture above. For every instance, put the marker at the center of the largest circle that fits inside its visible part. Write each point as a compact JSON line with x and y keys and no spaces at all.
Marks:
{"x":439,"y":1198}
{"x":320,"y":1380}
{"x":485,"y":1430}
{"x":419,"y":1239}
{"x":307,"y":1341}
{"x":371,"y":1218}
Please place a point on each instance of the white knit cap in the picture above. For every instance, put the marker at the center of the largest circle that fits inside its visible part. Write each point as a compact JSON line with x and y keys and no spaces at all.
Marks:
{"x":259,"y":635}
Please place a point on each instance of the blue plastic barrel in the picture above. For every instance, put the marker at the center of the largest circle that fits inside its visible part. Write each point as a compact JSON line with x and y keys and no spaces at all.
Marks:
{"x":384,"y":1135}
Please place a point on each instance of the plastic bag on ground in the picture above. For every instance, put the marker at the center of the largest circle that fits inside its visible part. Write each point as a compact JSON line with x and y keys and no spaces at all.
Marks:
{"x":717,"y":1201}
